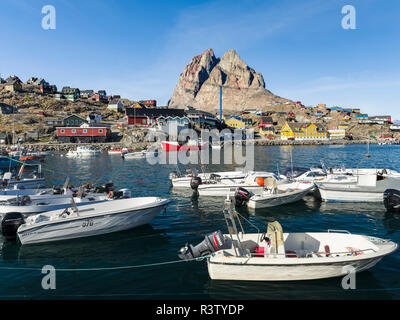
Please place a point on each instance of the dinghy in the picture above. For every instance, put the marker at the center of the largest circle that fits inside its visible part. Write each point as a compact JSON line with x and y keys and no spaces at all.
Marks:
{"x":273,"y":195}
{"x":90,"y":220}
{"x":276,"y":256}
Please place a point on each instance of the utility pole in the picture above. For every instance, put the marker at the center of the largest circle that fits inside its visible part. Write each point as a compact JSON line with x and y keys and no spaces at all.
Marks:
{"x":220,"y":103}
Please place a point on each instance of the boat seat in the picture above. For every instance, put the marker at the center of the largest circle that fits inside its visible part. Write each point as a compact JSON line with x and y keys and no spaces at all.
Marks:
{"x":271,"y":184}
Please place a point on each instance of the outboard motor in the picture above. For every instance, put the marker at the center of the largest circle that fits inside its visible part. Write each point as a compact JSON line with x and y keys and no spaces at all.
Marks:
{"x":391,"y":200}
{"x":174,"y":175}
{"x":195,"y":182}
{"x":10,"y":225}
{"x":57,"y":190}
{"x":126,"y":193}
{"x":242,"y":196}
{"x":213,"y":242}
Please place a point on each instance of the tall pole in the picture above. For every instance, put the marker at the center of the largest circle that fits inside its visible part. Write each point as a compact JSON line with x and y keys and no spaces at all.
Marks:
{"x":220,"y":103}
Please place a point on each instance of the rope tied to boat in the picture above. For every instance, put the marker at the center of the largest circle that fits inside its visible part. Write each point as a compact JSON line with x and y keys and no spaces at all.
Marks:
{"x":111,"y":268}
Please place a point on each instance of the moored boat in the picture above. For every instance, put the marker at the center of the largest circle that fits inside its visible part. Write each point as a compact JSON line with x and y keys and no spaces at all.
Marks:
{"x":273,"y":195}
{"x":277,"y":256}
{"x":91,"y":220}
{"x":190,"y":145}
{"x":82,"y":151}
{"x":365,"y":188}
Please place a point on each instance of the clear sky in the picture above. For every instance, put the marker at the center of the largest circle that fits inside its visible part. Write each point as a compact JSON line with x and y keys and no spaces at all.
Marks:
{"x":139,"y":48}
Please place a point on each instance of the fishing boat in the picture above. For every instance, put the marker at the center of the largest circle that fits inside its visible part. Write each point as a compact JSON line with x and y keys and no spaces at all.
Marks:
{"x":82,"y":151}
{"x":253,"y":181}
{"x":177,"y":146}
{"x":273,"y":255}
{"x":90,"y":220}
{"x":364,"y":188}
{"x":273,"y":195}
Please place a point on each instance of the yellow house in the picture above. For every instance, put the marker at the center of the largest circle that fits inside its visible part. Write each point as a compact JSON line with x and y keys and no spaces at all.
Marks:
{"x":137,"y":106}
{"x":235,"y":122}
{"x":303,"y":131}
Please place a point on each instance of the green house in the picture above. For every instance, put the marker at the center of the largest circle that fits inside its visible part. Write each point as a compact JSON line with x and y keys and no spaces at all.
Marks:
{"x":73,"y":121}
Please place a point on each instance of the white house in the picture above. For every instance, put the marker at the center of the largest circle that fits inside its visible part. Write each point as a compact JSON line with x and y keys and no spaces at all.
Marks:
{"x":115,"y":105}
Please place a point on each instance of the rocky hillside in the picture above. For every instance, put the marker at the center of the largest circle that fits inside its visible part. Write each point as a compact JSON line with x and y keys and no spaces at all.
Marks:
{"x":243,"y":88}
{"x":34,"y":108}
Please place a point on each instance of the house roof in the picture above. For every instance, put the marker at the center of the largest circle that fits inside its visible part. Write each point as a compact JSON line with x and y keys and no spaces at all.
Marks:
{"x":73,"y":115}
{"x":296,"y":126}
{"x":267,"y":119}
{"x":154,"y":112}
{"x":114,"y":102}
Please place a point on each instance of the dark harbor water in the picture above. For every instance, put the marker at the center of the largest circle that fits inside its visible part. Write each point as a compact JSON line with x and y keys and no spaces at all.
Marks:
{"x":188,"y":219}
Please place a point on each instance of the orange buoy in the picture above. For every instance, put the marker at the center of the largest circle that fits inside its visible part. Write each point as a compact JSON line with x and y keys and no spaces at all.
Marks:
{"x":260,"y":181}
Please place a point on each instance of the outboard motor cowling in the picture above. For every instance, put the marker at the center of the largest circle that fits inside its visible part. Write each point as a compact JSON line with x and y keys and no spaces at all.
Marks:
{"x":212,"y":242}
{"x":242,"y":196}
{"x":195,"y":182}
{"x":10,"y":225}
{"x":391,"y":200}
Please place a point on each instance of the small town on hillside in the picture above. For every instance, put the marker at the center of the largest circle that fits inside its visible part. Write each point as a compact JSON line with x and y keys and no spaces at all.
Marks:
{"x":36,"y":111}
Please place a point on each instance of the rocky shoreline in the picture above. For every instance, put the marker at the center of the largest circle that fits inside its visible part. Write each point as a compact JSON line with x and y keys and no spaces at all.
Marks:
{"x":64,"y":147}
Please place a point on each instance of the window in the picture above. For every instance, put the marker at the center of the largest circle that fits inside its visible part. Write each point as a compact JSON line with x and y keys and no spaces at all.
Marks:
{"x":73,"y":130}
{"x":62,"y":131}
{"x":84,"y":130}
{"x":100,"y":130}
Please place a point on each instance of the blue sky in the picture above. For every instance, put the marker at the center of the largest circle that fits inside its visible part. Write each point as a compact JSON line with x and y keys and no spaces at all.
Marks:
{"x":139,"y":48}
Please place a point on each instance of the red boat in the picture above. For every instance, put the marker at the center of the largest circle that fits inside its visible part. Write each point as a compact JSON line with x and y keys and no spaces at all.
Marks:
{"x":191,"y":145}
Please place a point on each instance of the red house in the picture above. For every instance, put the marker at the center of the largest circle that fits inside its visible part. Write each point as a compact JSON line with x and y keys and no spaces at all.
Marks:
{"x":148,"y":103}
{"x":147,"y":117}
{"x":266,"y":122}
{"x":291,"y":115}
{"x":94,"y":133}
{"x":99,"y":98}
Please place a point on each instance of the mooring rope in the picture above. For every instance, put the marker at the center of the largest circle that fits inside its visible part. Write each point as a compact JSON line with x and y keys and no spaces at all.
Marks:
{"x":111,"y":268}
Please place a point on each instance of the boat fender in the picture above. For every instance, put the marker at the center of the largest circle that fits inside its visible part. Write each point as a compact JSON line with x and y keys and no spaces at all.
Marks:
{"x":327,"y":251}
{"x":10,"y":224}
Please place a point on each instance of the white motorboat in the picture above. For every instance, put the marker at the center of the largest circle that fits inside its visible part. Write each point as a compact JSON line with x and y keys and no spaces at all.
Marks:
{"x":118,"y":151}
{"x":273,"y":195}
{"x":13,"y":192}
{"x":253,"y":182}
{"x":276,"y":256}
{"x":82,"y":151}
{"x":179,"y":180}
{"x":217,"y":145}
{"x":11,"y":181}
{"x":90,"y":220}
{"x":365,"y":188}
{"x":134,"y":155}
{"x":35,"y":204}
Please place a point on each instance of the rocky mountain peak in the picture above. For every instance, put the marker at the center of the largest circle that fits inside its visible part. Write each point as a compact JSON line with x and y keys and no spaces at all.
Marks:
{"x":198,"y":85}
